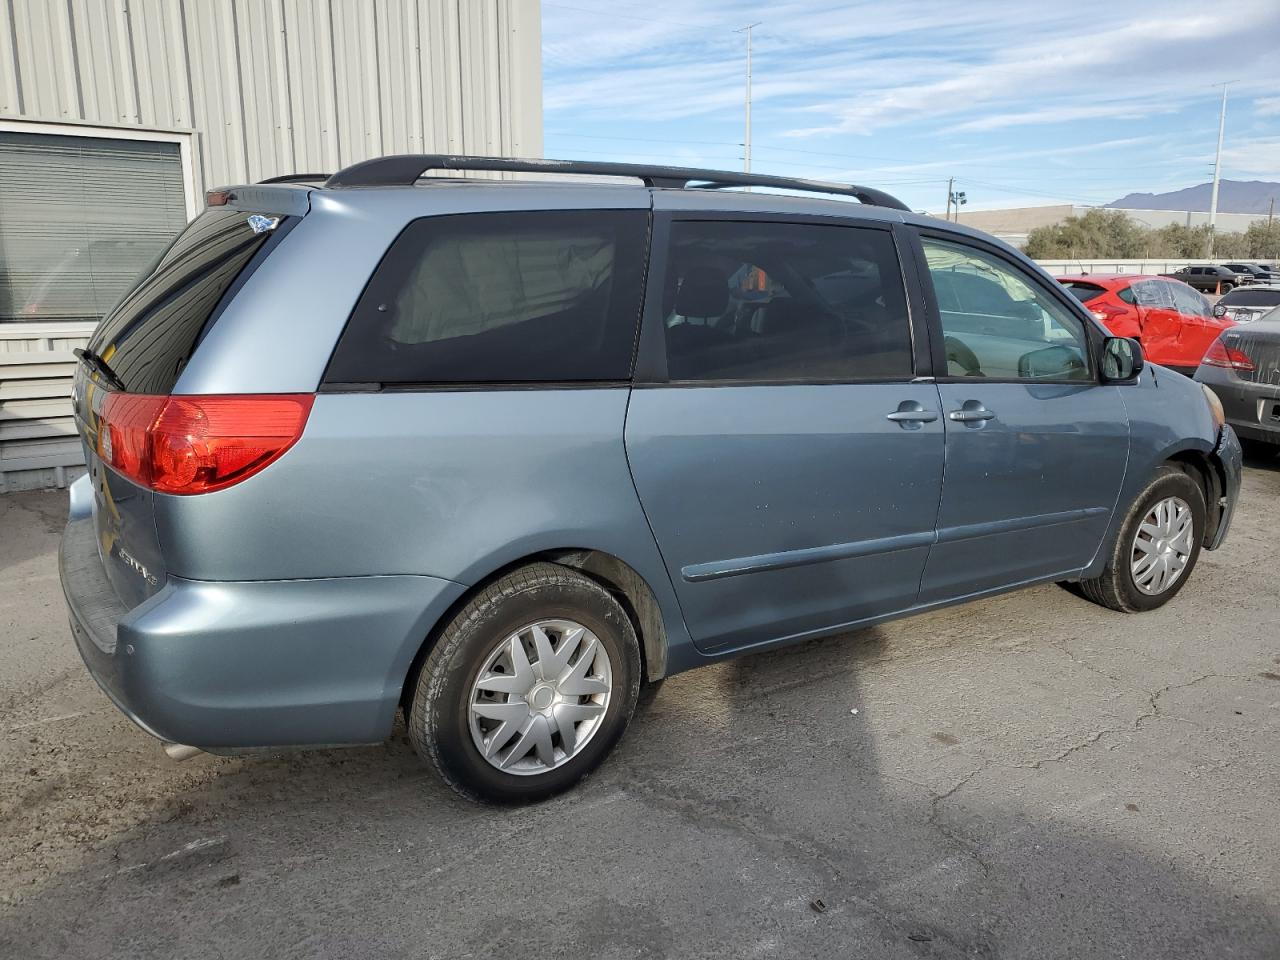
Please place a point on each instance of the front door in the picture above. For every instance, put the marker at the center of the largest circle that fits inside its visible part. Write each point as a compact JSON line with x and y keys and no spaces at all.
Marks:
{"x":1036,"y":447}
{"x":788,"y":464}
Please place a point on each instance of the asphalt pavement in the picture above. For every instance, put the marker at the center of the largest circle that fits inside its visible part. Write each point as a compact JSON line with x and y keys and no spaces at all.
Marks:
{"x":1027,"y":776}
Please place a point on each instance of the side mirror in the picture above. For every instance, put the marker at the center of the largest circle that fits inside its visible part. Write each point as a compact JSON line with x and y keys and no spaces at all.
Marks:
{"x":1219,"y":310}
{"x":1122,"y":359}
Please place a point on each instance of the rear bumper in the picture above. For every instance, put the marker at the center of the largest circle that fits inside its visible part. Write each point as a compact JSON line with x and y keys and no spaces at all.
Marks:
{"x":1230,"y":461}
{"x":251,"y":663}
{"x":1252,"y":409}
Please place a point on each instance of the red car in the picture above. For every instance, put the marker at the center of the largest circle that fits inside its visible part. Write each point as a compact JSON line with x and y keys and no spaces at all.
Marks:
{"x":1174,"y":323}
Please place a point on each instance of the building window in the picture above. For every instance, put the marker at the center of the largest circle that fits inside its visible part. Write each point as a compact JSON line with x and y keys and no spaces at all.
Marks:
{"x":80,"y":217}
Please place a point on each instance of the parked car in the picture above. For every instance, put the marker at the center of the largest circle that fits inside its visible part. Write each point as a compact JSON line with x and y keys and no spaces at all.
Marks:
{"x":1243,"y":306}
{"x":1174,"y":323}
{"x":1211,"y":279}
{"x":1243,"y":368}
{"x":1256,"y":272}
{"x":493,"y":453}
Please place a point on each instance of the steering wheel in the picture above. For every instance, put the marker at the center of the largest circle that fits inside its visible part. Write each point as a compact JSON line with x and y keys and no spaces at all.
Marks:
{"x":959,"y":353}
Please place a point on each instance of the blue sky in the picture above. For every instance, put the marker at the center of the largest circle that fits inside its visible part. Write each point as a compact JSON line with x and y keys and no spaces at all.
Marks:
{"x":1023,"y":103}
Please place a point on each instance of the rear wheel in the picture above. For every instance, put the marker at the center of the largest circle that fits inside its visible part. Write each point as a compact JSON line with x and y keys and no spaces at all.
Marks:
{"x":1158,"y":546}
{"x":528,"y":687}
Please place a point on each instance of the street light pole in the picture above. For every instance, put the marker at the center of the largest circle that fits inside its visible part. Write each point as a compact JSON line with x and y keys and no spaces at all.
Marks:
{"x":746,"y":143}
{"x":1217,"y":171}
{"x":951,"y":192}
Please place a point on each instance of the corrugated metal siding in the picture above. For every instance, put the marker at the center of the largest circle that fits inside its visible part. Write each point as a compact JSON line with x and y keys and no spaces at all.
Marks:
{"x":38,"y":442}
{"x":281,"y":86}
{"x":268,"y":87}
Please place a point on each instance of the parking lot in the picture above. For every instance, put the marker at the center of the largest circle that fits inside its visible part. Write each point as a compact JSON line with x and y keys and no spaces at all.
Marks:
{"x":1028,"y":776}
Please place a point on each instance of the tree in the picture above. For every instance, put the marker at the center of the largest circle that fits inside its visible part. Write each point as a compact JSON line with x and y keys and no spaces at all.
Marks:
{"x":1098,"y":233}
{"x":1179,"y":240}
{"x":1111,"y":233}
{"x":1263,"y":240}
{"x":1231,"y":246}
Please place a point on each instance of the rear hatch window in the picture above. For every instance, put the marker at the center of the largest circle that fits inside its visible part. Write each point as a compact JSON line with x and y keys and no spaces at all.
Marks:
{"x":1251,"y":298}
{"x":146,"y":341}
{"x":150,"y":335}
{"x":1084,"y":292}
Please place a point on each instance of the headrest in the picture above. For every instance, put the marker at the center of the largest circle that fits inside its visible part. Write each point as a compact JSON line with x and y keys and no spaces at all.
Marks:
{"x":704,"y":292}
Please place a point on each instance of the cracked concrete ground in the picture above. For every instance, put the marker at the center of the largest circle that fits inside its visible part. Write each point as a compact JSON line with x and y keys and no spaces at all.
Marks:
{"x":1028,"y":776}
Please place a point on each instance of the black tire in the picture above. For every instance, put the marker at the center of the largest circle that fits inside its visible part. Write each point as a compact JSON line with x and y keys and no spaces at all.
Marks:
{"x":1116,"y":588}
{"x":1227,"y":288}
{"x":439,"y":717}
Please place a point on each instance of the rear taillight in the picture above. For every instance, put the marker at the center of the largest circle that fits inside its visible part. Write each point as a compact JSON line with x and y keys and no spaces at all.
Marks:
{"x":196,"y":444}
{"x":1220,"y":355}
{"x":1105,"y":311}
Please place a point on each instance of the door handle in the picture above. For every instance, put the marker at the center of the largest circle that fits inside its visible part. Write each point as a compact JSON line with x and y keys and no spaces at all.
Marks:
{"x":911,"y":415}
{"x":972,"y":412}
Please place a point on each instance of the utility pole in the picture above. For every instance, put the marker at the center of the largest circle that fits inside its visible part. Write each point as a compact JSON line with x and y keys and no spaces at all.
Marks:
{"x":1217,"y":170}
{"x":746,"y":143}
{"x":951,"y":192}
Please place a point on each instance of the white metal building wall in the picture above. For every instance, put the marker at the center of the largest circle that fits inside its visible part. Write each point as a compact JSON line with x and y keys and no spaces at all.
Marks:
{"x":283,"y":86}
{"x":259,"y":88}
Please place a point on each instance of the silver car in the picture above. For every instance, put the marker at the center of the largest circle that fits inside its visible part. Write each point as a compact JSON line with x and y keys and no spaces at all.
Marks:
{"x":492,"y":454}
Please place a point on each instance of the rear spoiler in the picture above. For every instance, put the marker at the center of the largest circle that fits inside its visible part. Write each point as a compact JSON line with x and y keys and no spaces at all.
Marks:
{"x":286,"y":200}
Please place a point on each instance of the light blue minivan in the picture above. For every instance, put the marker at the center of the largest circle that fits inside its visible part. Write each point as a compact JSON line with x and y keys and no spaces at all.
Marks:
{"x":494,"y":453}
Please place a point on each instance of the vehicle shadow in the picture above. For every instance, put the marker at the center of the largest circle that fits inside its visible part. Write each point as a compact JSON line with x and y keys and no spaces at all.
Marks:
{"x":1263,"y":461}
{"x":751,"y":811}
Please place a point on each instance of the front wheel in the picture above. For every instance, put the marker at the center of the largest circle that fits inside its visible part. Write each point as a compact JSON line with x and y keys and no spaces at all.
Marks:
{"x":1158,"y":546}
{"x":1227,"y":288}
{"x":528,"y":687}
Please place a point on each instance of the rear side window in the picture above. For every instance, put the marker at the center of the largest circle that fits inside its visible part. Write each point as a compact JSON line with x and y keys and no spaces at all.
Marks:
{"x":540,"y":297}
{"x":1188,"y":302}
{"x":784,"y":302}
{"x":1154,"y":293}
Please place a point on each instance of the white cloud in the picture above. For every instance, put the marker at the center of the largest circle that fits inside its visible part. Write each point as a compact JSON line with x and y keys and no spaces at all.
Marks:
{"x":868,"y":66}
{"x":1252,"y":159}
{"x":1061,"y":114}
{"x":1267,"y":106}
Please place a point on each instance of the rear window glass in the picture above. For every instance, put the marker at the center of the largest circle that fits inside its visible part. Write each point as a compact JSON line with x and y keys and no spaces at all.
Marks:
{"x":1251,"y":298}
{"x":1084,"y":292}
{"x":150,"y":335}
{"x":501,"y":298}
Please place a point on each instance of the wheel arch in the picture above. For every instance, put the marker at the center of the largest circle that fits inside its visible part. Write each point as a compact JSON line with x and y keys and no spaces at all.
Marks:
{"x":627,"y":586}
{"x":1202,"y":467}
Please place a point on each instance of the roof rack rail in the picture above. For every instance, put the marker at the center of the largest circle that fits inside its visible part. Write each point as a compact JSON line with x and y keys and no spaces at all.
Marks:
{"x":297,"y":178}
{"x":406,"y":169}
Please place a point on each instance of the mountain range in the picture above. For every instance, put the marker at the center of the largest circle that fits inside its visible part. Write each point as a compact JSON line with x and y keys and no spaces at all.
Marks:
{"x":1234,"y":196}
